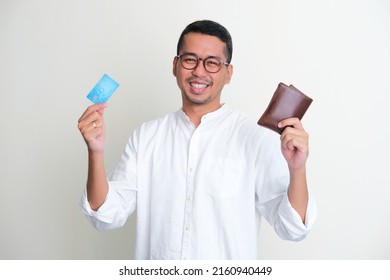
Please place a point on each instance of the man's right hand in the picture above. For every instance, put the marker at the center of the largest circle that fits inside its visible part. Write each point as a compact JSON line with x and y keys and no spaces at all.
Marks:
{"x":92,"y":127}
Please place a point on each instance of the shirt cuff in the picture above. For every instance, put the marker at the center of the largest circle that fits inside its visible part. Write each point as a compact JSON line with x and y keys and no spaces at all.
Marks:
{"x":99,"y":214}
{"x":291,"y":226}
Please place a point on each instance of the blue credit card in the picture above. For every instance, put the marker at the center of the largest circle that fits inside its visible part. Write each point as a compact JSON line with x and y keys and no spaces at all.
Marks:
{"x":103,"y":90}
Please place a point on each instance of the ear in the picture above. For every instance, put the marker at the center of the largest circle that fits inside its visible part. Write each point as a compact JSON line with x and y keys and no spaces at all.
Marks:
{"x":229,"y":74}
{"x":174,"y":68}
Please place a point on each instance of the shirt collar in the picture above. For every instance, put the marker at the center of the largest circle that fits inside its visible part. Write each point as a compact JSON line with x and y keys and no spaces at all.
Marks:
{"x":207,"y":117}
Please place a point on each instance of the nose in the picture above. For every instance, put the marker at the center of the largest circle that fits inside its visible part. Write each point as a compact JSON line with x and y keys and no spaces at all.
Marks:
{"x":200,"y":70}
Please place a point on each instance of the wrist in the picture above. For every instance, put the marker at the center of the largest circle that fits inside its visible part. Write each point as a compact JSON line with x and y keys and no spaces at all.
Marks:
{"x":95,"y":155}
{"x":297,"y":172}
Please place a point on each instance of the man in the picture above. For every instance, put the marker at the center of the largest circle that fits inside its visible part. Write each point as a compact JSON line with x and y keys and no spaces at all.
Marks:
{"x":201,"y":178}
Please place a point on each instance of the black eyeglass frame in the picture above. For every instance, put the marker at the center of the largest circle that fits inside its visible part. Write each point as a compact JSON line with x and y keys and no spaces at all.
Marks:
{"x":204,"y":62}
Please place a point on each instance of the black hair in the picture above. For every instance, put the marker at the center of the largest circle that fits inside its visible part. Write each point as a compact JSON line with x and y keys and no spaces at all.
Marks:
{"x":211,"y":28}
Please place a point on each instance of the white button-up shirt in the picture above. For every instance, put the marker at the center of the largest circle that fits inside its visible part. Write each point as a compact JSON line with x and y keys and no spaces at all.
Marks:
{"x":200,"y":193}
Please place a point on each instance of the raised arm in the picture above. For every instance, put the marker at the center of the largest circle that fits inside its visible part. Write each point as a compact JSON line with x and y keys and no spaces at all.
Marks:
{"x":295,"y":149}
{"x":92,"y":127}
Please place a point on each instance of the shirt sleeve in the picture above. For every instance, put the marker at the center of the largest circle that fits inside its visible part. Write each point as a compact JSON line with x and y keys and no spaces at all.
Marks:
{"x":271,"y":194}
{"x":121,"y":199}
{"x":288,"y":223}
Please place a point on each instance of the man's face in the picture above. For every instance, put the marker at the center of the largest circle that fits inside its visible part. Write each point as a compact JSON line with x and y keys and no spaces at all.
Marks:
{"x":199,"y":87}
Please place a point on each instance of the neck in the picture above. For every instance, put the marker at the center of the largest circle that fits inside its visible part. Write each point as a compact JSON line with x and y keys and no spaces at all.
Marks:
{"x":195,"y":113}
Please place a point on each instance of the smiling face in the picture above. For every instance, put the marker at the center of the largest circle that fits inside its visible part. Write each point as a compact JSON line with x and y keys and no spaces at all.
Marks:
{"x":200,"y":88}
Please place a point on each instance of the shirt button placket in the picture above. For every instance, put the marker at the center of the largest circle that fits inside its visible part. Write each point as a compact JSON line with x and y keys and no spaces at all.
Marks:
{"x":186,"y":245}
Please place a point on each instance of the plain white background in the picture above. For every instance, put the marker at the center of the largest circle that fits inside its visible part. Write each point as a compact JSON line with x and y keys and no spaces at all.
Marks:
{"x":53,"y":52}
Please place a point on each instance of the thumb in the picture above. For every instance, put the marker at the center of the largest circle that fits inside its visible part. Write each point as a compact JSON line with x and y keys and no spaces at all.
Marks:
{"x":101,"y":109}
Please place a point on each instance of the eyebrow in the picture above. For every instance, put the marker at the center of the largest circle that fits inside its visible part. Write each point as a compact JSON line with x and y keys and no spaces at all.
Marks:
{"x":215,"y":56}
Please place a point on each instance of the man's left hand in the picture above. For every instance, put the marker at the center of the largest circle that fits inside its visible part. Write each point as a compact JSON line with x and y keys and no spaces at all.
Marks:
{"x":294,"y":143}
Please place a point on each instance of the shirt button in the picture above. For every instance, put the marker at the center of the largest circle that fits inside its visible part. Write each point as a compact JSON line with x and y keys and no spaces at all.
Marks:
{"x":190,"y":169}
{"x":187,"y":227}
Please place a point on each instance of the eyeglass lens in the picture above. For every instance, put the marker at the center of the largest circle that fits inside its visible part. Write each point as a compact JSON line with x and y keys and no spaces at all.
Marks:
{"x":190,"y":62}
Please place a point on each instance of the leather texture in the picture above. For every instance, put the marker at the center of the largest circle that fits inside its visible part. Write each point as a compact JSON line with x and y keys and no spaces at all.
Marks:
{"x":287,"y":102}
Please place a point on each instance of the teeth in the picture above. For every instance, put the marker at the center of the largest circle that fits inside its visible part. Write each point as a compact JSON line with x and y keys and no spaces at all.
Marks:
{"x":198,"y":85}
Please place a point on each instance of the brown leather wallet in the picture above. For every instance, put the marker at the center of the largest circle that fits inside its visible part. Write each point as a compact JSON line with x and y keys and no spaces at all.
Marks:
{"x":287,"y":102}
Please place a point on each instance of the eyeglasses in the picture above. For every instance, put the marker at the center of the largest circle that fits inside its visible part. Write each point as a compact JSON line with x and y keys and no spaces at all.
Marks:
{"x":190,"y":61}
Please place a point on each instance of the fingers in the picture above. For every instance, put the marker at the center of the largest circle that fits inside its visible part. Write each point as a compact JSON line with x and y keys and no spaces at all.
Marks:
{"x":93,"y":113}
{"x":293,"y":122}
{"x":291,"y":139}
{"x":91,"y":124}
{"x":94,"y":108}
{"x":294,"y":136}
